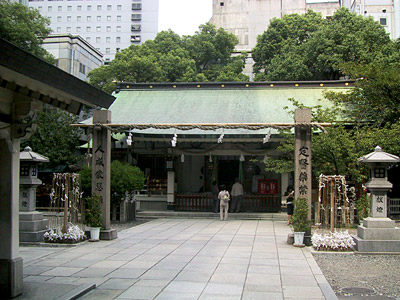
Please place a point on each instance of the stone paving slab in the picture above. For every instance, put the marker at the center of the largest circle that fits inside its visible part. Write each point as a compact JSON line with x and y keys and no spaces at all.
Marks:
{"x":187,"y":259}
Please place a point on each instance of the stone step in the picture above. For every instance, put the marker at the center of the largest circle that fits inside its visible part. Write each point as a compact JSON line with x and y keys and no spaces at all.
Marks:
{"x":33,"y":225}
{"x":31,"y":237}
{"x":210,"y":215}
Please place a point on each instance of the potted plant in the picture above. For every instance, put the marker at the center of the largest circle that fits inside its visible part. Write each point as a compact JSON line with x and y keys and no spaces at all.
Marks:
{"x":300,"y":221}
{"x":93,"y":216}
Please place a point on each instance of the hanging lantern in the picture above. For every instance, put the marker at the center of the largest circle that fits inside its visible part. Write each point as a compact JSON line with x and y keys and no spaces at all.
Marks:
{"x":174,"y":140}
{"x":182,"y":157}
{"x":129,"y":139}
{"x":241,"y":158}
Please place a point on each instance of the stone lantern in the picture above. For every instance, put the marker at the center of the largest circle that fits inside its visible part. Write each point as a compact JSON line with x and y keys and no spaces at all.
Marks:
{"x":378,"y":233}
{"x":32,"y":225}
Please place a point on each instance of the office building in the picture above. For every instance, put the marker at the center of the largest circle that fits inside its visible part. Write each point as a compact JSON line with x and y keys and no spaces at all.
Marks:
{"x":108,"y":25}
{"x":74,"y":54}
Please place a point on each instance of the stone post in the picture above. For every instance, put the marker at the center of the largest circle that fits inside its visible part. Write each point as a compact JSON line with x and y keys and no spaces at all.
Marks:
{"x":302,"y":157}
{"x":101,"y":169}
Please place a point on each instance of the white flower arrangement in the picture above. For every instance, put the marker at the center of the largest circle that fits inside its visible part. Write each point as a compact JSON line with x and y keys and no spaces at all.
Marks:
{"x":336,"y":241}
{"x":73,"y":235}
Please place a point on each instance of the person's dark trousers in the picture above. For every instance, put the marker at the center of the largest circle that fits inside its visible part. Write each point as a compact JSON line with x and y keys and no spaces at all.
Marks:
{"x":237,"y":206}
{"x":233,"y":204}
{"x":216,"y":206}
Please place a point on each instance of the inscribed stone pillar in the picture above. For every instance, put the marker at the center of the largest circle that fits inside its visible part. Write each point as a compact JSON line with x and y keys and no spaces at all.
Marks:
{"x":10,"y":263}
{"x":302,"y":157}
{"x":101,"y":169}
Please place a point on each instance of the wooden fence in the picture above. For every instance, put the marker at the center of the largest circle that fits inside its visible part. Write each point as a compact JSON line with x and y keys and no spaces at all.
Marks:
{"x":250,"y":203}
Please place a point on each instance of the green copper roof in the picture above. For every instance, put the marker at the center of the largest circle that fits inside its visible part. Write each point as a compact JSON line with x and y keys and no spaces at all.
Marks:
{"x":235,"y":103}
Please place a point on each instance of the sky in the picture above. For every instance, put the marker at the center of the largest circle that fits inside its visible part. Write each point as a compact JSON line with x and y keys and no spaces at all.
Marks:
{"x":183,"y":16}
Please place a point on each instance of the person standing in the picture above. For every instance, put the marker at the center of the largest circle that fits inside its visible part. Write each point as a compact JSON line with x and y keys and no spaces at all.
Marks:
{"x":215,"y":192}
{"x":237,"y":195}
{"x":289,"y":195}
{"x":224,"y":199}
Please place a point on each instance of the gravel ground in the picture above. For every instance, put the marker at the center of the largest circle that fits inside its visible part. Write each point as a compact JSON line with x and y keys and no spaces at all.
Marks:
{"x":378,"y":272}
{"x":122,"y":226}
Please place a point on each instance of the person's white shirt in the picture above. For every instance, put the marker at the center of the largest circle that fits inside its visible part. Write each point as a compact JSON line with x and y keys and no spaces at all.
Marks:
{"x":237,"y":189}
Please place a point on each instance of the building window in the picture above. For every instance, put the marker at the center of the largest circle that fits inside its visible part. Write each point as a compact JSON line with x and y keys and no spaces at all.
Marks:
{"x":78,"y":18}
{"x":136,"y":6}
{"x":68,"y":29}
{"x":98,"y":39}
{"x":118,"y":39}
{"x":88,"y":39}
{"x":98,"y":28}
{"x":109,"y":7}
{"x":89,"y":7}
{"x":108,"y":18}
{"x":136,"y":27}
{"x":108,"y":39}
{"x":136,"y":17}
{"x":82,"y":68}
{"x":58,"y":19}
{"x":98,"y":7}
{"x":117,"y":49}
{"x":88,"y":29}
{"x":119,"y":7}
{"x":79,"y":8}
{"x":68,"y":18}
{"x":59,"y":8}
{"x":69,"y":8}
{"x":107,"y":50}
{"x":49,"y":8}
{"x":221,"y":4}
{"x":98,"y":18}
{"x":108,"y":28}
{"x":58,"y":29}
{"x":135,"y":38}
{"x":118,"y":28}
{"x":89,"y":18}
{"x":78,"y":29}
{"x":119,"y":18}
{"x":383,"y":21}
{"x":24,"y":171}
{"x":40,"y":8}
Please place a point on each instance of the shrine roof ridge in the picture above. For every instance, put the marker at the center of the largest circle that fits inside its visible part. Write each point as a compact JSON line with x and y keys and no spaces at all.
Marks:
{"x":233,"y":85}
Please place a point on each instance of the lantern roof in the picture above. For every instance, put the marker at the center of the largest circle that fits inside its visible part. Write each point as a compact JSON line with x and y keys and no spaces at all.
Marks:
{"x":379,"y":156}
{"x":28,"y":155}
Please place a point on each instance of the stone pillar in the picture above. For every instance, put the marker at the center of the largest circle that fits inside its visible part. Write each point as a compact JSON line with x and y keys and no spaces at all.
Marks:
{"x":171,"y":190}
{"x":10,"y":263}
{"x":302,"y":157}
{"x":101,"y":169}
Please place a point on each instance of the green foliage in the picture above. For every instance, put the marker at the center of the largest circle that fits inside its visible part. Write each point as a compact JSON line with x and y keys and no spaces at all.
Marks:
{"x":205,"y":56}
{"x":300,"y":220}
{"x":25,"y":27}
{"x":362,"y":206}
{"x":54,"y":137}
{"x":93,"y":211}
{"x":124,"y":177}
{"x":307,"y":47}
{"x":284,"y":163}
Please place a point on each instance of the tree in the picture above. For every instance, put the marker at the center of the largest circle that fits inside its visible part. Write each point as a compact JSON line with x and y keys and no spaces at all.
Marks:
{"x":54,"y":137}
{"x":205,"y":56}
{"x":25,"y":27}
{"x":308,"y":47}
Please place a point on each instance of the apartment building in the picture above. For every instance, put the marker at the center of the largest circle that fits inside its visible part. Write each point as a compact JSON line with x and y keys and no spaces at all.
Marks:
{"x":386,"y":12}
{"x":108,"y":25}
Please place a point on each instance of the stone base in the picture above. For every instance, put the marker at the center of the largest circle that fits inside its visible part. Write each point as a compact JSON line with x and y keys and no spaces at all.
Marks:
{"x":11,"y":284}
{"x":171,"y":206}
{"x":377,"y":235}
{"x":32,"y":226}
{"x":110,"y":234}
{"x":376,"y":246}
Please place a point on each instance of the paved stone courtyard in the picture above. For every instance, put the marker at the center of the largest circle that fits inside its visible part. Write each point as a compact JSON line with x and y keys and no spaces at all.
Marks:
{"x":185,"y":259}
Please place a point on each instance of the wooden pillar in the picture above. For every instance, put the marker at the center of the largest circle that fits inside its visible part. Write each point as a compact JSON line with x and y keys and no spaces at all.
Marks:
{"x":171,"y":190}
{"x":101,"y":169}
{"x":302,"y":157}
